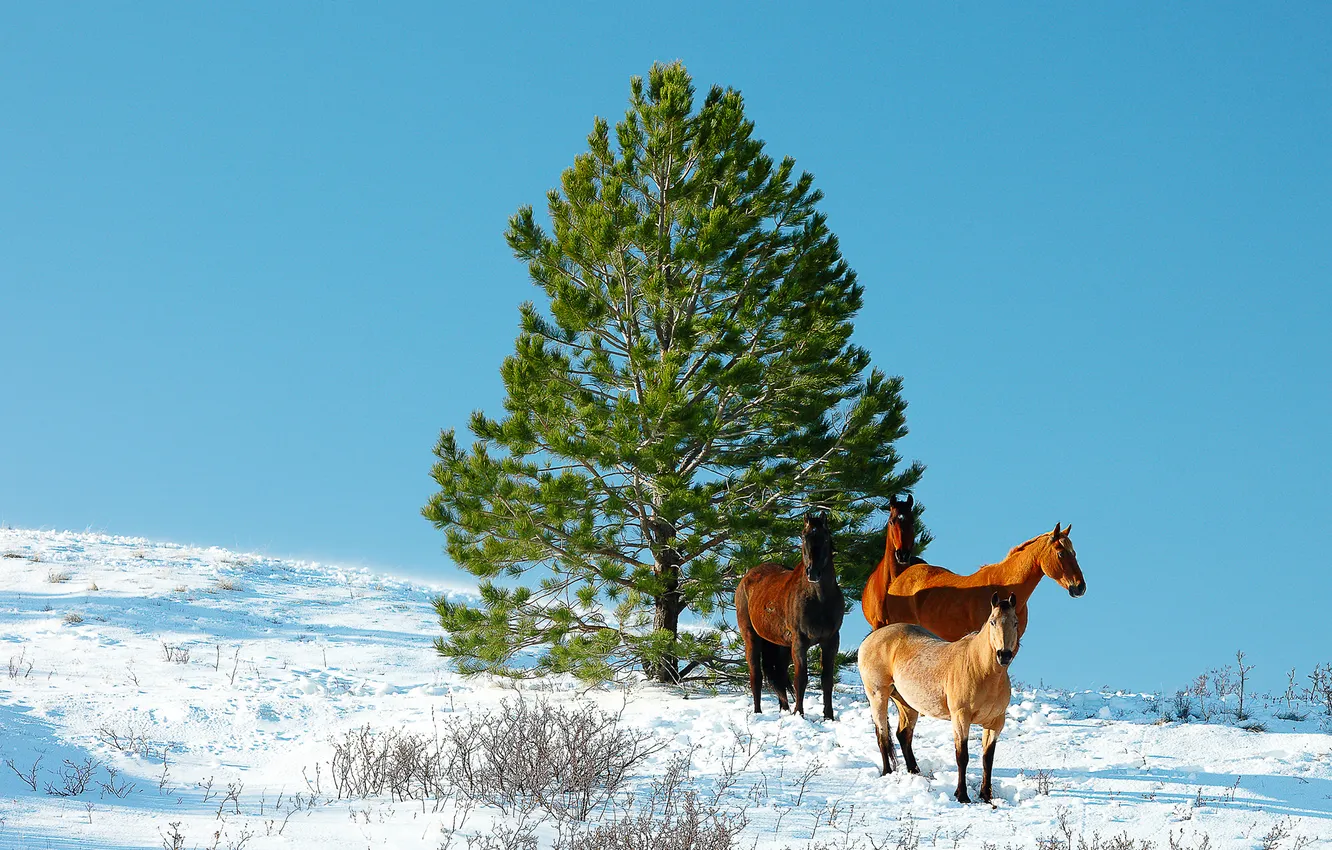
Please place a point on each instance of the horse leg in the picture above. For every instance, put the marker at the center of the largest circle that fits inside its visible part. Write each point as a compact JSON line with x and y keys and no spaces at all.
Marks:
{"x":878,"y":697}
{"x":754,"y":657}
{"x":988,"y":739}
{"x":906,"y":731}
{"x":800,"y":659}
{"x":774,"y":668}
{"x":753,"y":648}
{"x":961,"y":728}
{"x":828,"y":660}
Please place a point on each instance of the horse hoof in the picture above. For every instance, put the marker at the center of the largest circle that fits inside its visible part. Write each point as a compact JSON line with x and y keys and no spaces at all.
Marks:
{"x":963,"y":798}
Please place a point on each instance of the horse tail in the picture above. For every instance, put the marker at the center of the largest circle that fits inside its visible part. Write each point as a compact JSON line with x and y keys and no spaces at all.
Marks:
{"x":886,"y":745}
{"x":775,"y":666}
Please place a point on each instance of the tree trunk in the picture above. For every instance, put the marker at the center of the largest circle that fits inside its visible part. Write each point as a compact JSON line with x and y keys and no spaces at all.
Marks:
{"x":667,"y":616}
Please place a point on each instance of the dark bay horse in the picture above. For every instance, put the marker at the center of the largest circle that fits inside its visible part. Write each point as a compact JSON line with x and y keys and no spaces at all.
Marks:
{"x":898,"y":554}
{"x":952,"y":605}
{"x":782,"y":612}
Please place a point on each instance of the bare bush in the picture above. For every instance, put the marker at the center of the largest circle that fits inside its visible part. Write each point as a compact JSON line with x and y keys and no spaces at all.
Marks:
{"x":520,"y":836}
{"x":177,"y":654}
{"x":518,"y":757}
{"x":1319,"y":691}
{"x":1178,"y":842}
{"x":73,"y":778}
{"x":1280,"y":831}
{"x":130,"y":738}
{"x":16,"y":668}
{"x":672,"y":817}
{"x":57,"y":576}
{"x":73,"y":618}
{"x":1243,"y":678}
{"x":904,"y":838}
{"x":1044,"y":782}
{"x":1183,"y":706}
{"x":30,"y":777}
{"x":569,"y":762}
{"x":401,"y":764}
{"x":229,"y":584}
{"x":1064,"y":840}
{"x":120,"y":791}
{"x":173,"y":840}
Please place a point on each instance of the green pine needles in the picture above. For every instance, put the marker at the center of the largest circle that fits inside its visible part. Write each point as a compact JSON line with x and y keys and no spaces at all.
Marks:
{"x":688,"y":392}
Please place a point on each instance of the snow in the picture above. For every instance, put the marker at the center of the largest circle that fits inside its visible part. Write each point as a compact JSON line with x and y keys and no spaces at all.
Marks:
{"x":283,"y":655}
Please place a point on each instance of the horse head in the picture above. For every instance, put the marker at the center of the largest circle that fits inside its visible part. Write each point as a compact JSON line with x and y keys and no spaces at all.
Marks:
{"x":1061,"y":563}
{"x":1003,"y":628}
{"x":816,"y":546}
{"x":902,"y":529}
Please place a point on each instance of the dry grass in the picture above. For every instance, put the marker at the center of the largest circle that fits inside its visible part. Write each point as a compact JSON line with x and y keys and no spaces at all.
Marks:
{"x":229,"y":584}
{"x":72,"y":619}
{"x":57,"y":576}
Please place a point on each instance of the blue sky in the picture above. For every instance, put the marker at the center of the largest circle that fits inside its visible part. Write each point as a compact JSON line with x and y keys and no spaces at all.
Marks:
{"x":251,"y":261}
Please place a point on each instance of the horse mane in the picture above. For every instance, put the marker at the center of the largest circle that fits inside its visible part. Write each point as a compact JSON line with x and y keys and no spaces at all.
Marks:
{"x":1024,"y":545}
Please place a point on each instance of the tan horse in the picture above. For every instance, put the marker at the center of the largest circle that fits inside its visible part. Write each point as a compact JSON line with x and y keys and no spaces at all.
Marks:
{"x":951,"y":605}
{"x":898,"y":554}
{"x":965,"y":682}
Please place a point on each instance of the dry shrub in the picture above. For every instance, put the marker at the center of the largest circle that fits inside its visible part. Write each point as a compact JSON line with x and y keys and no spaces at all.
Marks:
{"x":177,"y":654}
{"x":518,"y":757}
{"x":673,"y":816}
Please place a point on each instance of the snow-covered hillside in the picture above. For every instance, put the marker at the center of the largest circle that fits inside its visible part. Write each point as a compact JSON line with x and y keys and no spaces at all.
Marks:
{"x":199,"y":690}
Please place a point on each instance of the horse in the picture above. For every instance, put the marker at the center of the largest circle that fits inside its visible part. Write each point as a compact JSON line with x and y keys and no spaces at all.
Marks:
{"x":965,"y":682}
{"x":951,"y":606}
{"x":777,"y":608}
{"x":898,"y":554}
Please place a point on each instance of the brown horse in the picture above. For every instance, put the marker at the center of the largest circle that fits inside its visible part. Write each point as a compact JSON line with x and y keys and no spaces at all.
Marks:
{"x":965,"y":682}
{"x":952,"y":606}
{"x":898,"y":554}
{"x":777,"y":608}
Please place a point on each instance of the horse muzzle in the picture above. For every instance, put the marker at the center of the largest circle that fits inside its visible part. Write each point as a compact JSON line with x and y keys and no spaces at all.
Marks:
{"x":1004,"y":657}
{"x":902,"y":558}
{"x":1076,"y":590}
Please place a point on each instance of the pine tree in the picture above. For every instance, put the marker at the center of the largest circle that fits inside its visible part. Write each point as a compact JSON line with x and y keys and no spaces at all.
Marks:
{"x":688,"y":392}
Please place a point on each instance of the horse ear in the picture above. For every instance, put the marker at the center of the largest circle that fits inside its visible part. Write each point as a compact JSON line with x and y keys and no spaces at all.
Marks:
{"x":1055,"y":535}
{"x":910,"y":502}
{"x":994,"y":600}
{"x":1068,"y":528}
{"x":1012,"y":601}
